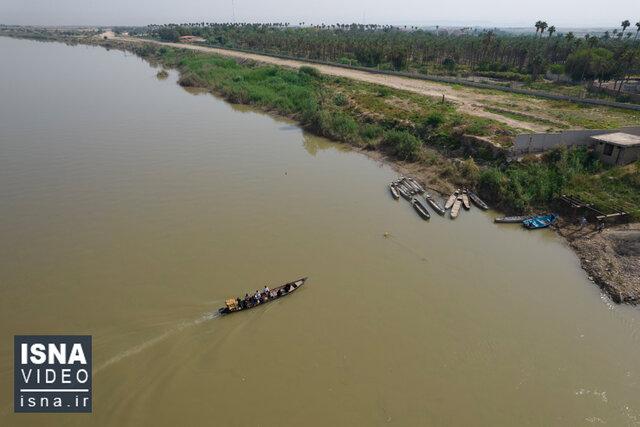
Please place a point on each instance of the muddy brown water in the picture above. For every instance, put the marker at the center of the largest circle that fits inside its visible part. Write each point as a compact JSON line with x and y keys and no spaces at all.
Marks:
{"x":132,"y":208}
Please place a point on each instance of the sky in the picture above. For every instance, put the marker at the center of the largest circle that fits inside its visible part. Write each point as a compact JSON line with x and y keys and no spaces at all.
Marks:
{"x":487,"y":13}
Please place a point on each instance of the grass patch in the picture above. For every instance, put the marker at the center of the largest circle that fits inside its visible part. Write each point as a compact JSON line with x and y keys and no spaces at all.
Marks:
{"x":535,"y":183}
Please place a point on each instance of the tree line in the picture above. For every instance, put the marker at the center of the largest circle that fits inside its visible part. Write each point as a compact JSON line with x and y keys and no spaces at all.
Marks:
{"x":613,"y":55}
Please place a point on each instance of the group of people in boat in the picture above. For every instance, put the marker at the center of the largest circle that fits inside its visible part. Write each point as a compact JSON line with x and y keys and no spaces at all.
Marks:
{"x":263,"y":296}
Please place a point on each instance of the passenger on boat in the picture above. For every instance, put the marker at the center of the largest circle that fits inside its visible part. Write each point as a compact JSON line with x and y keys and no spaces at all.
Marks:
{"x":257,"y":297}
{"x":266,"y":290}
{"x":240,"y":303}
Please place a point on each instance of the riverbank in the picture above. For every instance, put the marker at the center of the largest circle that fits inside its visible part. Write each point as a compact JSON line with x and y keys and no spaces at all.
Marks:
{"x":429,"y":165}
{"x":611,"y":258}
{"x":420,"y":136}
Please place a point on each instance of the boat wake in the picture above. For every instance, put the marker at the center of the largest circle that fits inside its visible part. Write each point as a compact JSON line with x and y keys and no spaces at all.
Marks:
{"x":155,"y":340}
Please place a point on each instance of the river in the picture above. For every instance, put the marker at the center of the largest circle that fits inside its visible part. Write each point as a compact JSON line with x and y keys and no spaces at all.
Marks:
{"x":131,"y":208}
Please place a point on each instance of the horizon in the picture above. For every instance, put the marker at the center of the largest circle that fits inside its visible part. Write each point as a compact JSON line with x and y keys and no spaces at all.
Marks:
{"x":531,"y":27}
{"x":568,"y":14}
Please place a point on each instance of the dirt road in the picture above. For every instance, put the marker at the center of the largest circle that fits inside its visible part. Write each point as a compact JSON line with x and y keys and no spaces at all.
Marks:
{"x":467,"y":100}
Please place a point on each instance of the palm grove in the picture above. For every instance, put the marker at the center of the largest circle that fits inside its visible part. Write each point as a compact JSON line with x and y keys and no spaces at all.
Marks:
{"x":612,"y":55}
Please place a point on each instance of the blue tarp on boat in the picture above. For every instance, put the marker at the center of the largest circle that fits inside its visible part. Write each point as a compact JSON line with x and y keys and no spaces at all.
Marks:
{"x":540,"y":221}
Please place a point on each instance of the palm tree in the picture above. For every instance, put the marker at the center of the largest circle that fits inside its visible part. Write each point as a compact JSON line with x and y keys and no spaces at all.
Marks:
{"x":624,"y":25}
{"x":638,"y":29}
{"x":551,"y":30}
{"x":538,"y":24}
{"x":543,"y":26}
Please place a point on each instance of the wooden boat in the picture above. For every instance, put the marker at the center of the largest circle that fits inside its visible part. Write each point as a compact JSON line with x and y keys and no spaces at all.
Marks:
{"x":465,"y":200}
{"x":416,"y":185}
{"x":511,"y":219}
{"x":408,"y":187}
{"x":403,"y":192}
{"x":540,"y":221}
{"x":421,"y":209}
{"x":232,"y":305}
{"x":455,"y":209}
{"x":434,"y":204}
{"x":451,"y":200}
{"x":477,"y":200}
{"x":407,"y":183}
{"x":394,"y":191}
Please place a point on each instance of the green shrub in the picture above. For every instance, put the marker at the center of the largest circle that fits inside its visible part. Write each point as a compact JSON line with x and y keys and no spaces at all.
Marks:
{"x":383,"y":91}
{"x":340,"y":100}
{"x":310,"y":71}
{"x":470,"y":171}
{"x":343,"y":127}
{"x":190,"y":79}
{"x":434,"y":119}
{"x":402,"y":143}
{"x":371,"y":131}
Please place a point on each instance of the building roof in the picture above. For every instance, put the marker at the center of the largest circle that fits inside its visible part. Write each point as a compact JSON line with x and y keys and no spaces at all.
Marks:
{"x":620,"y":139}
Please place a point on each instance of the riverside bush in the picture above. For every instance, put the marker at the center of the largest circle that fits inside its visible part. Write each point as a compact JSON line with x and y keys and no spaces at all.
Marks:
{"x":402,"y":143}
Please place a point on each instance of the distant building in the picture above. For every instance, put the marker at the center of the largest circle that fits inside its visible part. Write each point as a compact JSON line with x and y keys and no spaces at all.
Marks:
{"x":191,"y":39}
{"x":617,"y":148}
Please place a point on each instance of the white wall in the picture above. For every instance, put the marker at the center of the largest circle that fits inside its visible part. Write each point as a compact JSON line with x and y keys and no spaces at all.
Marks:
{"x":538,"y":142}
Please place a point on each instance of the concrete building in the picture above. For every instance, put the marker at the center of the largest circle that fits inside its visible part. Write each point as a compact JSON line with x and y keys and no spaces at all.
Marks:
{"x":617,"y":148}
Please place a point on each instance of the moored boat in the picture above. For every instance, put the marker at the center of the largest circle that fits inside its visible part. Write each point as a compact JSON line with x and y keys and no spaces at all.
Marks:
{"x":409,"y":188}
{"x":403,"y":192}
{"x":416,"y":185}
{"x":455,"y":209}
{"x":452,"y":199}
{"x":477,"y":200}
{"x":233,"y":305}
{"x":434,"y":204}
{"x":420,"y":208}
{"x":465,"y":200}
{"x":511,"y":219}
{"x":540,"y":221}
{"x":394,"y":191}
{"x":409,"y":184}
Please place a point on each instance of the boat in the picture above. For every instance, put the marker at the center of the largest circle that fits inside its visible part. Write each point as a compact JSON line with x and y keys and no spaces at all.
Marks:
{"x":465,"y":200}
{"x":403,"y":192}
{"x":408,"y":187}
{"x":416,"y":185}
{"x":394,"y":191}
{"x":540,"y":221}
{"x":451,"y":200}
{"x":511,"y":219}
{"x":420,"y":208}
{"x":455,"y":209}
{"x":233,"y":305}
{"x":434,"y":204}
{"x":477,"y":200}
